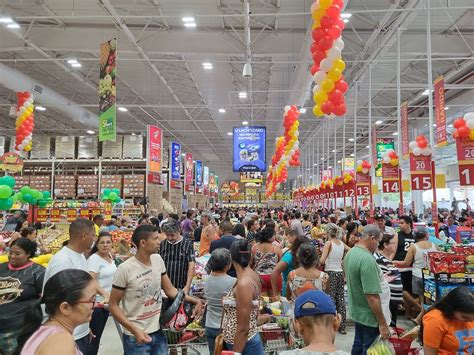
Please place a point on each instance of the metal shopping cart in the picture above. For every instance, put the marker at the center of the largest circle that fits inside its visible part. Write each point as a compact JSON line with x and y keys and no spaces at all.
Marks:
{"x":186,"y":342}
{"x":276,"y":336}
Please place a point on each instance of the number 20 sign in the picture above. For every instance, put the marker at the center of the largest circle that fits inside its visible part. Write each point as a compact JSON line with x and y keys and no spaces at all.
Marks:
{"x":420,"y":169}
{"x":465,"y":150}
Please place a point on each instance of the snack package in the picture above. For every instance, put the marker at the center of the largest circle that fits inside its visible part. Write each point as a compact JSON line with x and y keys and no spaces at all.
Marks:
{"x":381,"y":347}
{"x":437,"y":262}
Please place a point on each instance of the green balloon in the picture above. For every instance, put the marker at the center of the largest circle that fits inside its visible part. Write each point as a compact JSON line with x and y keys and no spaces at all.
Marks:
{"x":113,"y":196}
{"x":46,"y":195}
{"x":42,"y":203}
{"x":9,"y":181}
{"x":33,"y":201}
{"x":25,"y":190}
{"x":27,"y":198}
{"x":14,"y":198}
{"x":20,"y":197}
{"x":107,"y":192}
{"x":117,"y":191}
{"x":6,"y":204}
{"x":5,"y":191}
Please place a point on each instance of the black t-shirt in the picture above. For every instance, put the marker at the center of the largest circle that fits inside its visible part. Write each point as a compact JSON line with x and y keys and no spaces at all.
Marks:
{"x":197,"y":233}
{"x":19,"y":290}
{"x":404,"y":242}
{"x":224,"y":242}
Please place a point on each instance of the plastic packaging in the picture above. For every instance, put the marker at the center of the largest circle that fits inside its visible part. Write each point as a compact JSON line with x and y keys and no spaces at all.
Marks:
{"x":381,"y":347}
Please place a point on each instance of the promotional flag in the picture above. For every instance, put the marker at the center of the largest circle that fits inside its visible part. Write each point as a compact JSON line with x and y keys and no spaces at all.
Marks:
{"x":107,"y":91}
{"x":440,"y":107}
{"x":188,"y":171}
{"x":154,"y":154}
{"x":249,"y":149}
{"x":404,"y":125}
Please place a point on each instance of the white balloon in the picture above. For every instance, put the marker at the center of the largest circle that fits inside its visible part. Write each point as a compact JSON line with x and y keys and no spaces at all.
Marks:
{"x":339,"y":43}
{"x":287,"y":108}
{"x":413,"y":145}
{"x":22,"y":110}
{"x":469,"y":116}
{"x":417,"y":151}
{"x":314,"y":6}
{"x":334,"y":53}
{"x":470,"y":122}
{"x":297,"y":134}
{"x":319,"y":77}
{"x":315,"y":89}
{"x":365,"y":170}
{"x":359,"y":162}
{"x":325,"y":65}
{"x":426,"y":151}
{"x":386,"y":159}
{"x":32,"y":97}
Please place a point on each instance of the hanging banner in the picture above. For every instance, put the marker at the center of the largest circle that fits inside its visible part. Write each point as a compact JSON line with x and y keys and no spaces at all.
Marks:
{"x":375,"y":154}
{"x":107,"y":91}
{"x":216,"y":189}
{"x":11,"y":162}
{"x":465,"y":150}
{"x":404,"y":126}
{"x":363,"y":184}
{"x":84,"y":213}
{"x":249,"y":149}
{"x":382,"y":145}
{"x":250,"y":176}
{"x":188,"y":171}
{"x":440,"y":106}
{"x":212,"y":182}
{"x":107,"y":211}
{"x":175,"y":165}
{"x":154,"y":153}
{"x":348,"y":165}
{"x":326,"y":174}
{"x":206,"y":180}
{"x":390,"y":179}
{"x":198,"y":177}
{"x":420,"y":169}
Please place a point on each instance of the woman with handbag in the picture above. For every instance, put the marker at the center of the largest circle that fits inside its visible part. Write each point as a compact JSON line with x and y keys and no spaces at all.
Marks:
{"x":241,"y":306}
{"x":217,"y":285}
{"x":333,"y":253}
{"x":265,"y":258}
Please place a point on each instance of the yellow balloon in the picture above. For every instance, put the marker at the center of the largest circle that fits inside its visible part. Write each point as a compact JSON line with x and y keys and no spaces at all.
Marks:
{"x":315,"y":25}
{"x":471,"y":134}
{"x":320,"y":97}
{"x":317,"y":111}
{"x":317,"y":15}
{"x":359,"y":169}
{"x":324,"y":4}
{"x":327,"y":85}
{"x":334,"y":74}
{"x":339,"y":64}
{"x":394,"y":162}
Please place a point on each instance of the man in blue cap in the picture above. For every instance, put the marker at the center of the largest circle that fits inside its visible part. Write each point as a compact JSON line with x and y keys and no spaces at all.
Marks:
{"x":317,"y":321}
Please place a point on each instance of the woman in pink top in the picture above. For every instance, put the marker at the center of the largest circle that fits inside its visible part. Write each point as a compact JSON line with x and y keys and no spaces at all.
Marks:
{"x":69,"y":298}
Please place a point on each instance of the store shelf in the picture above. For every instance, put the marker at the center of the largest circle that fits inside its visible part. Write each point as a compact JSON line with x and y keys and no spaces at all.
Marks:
{"x":447,"y":277}
{"x":429,"y":296}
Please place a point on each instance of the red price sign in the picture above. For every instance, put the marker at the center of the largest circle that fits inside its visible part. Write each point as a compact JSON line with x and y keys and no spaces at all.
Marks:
{"x":55,"y":215}
{"x":420,"y":169}
{"x":42,"y":215}
{"x":390,"y":186}
{"x":349,"y":191}
{"x":363,"y":190}
{"x":465,"y":150}
{"x":71,"y":215}
{"x":84,"y":213}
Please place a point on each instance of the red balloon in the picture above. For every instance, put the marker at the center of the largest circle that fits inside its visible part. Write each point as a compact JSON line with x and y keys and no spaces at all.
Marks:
{"x":420,"y":138}
{"x":459,"y":123}
{"x":463,"y":132}
{"x":314,"y":69}
{"x":318,"y":33}
{"x":325,"y":43}
{"x":336,"y":96}
{"x":456,"y":134}
{"x":340,"y":110}
{"x":339,"y":3}
{"x":392,"y":155}
{"x":326,"y":22}
{"x":342,"y":86}
{"x":333,"y":11}
{"x":339,"y":22}
{"x":334,"y":32}
{"x":318,"y":57}
{"x":327,"y":107}
{"x":314,"y":47}
{"x":424,"y":143}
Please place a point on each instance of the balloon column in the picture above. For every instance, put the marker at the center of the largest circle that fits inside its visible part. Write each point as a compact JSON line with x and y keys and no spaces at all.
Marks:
{"x":287,"y":151}
{"x":330,"y":86}
{"x":420,"y":146}
{"x":111,"y":195}
{"x":7,"y":183}
{"x":24,"y":121}
{"x":390,"y":158}
{"x":33,"y":197}
{"x":464,"y":126}
{"x":363,"y":166}
{"x":348,"y":177}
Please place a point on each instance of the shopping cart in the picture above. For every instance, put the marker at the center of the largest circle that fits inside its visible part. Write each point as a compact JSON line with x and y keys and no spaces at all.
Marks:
{"x":186,"y":342}
{"x":274,"y":338}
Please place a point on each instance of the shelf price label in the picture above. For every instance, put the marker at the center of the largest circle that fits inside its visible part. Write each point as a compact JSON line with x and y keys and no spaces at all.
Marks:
{"x":465,"y":150}
{"x":96,"y":211}
{"x":42,"y":215}
{"x":71,"y":214}
{"x":390,"y":180}
{"x":420,"y":169}
{"x":55,"y":215}
{"x":84,"y":213}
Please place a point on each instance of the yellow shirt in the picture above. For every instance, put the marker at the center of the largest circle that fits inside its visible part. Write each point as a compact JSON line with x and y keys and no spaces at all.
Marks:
{"x":97,"y":229}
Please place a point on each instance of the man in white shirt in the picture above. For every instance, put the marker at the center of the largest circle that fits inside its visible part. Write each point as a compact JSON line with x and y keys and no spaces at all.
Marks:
{"x":81,"y":234}
{"x":380,"y":221}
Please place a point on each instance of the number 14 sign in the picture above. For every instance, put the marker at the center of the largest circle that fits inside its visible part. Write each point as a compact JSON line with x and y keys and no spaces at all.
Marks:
{"x":465,"y":150}
{"x":420,"y":169}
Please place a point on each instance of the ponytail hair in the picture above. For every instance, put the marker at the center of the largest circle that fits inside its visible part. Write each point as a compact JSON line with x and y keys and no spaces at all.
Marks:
{"x":240,"y":252}
{"x":65,"y":286}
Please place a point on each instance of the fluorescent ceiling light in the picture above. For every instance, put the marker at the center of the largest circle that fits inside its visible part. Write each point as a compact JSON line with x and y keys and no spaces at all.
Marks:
{"x":395,"y":134}
{"x":446,"y":108}
{"x":40,"y":108}
{"x":245,"y":123}
{"x":190,"y":24}
{"x":76,"y":65}
{"x":339,"y":162}
{"x":303,"y":110}
{"x":123,"y":109}
{"x":434,"y":124}
{"x":367,"y":146}
{"x":346,"y":15}
{"x":133,"y":134}
{"x":334,"y":150}
{"x":222,"y":110}
{"x":229,"y":133}
{"x":6,"y":20}
{"x":72,"y":61}
{"x":329,"y":167}
{"x":450,"y":126}
{"x":90,"y":131}
{"x":188,"y":19}
{"x":352,"y":154}
{"x":346,"y":20}
{"x":322,"y":158}
{"x":207,"y":65}
{"x":378,"y":122}
{"x":183,"y":154}
{"x":13,"y":25}
{"x":351,"y":139}
{"x":426,"y":92}
{"x":315,"y":164}
{"x":242,"y":95}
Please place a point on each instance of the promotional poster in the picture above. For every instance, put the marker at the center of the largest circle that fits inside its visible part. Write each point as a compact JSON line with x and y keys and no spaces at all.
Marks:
{"x":188,"y":171}
{"x":175,"y":161}
{"x":107,"y":91}
{"x":206,"y":180}
{"x":154,"y":153}
{"x":249,"y":149}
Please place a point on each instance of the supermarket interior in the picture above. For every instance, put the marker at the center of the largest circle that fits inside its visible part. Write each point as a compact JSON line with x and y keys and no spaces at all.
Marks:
{"x":161,"y":158}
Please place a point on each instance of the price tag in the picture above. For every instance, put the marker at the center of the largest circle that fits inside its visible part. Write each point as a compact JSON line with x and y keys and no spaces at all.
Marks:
{"x":465,"y":150}
{"x":42,"y":215}
{"x":55,"y":215}
{"x":84,"y":212}
{"x":420,"y":169}
{"x":71,"y":214}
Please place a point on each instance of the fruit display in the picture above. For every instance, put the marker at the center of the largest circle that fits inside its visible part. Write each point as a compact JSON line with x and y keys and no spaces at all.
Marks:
{"x":107,"y":89}
{"x":381,"y":347}
{"x":40,"y":259}
{"x":54,"y":239}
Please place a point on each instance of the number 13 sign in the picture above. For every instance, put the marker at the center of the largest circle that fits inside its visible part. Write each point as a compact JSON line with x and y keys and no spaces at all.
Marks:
{"x":465,"y":150}
{"x":420,"y":169}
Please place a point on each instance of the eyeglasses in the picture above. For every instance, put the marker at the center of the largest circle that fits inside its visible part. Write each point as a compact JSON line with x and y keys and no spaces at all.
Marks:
{"x":93,"y":301}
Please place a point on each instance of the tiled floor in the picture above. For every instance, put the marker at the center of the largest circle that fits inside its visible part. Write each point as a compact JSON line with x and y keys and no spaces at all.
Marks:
{"x":111,"y":343}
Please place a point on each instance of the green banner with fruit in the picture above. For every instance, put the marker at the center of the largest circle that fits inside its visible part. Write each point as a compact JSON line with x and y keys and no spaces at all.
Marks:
{"x":107,"y":92}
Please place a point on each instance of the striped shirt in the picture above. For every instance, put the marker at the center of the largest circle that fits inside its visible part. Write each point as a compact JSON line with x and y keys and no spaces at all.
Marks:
{"x":177,"y":257}
{"x":392,"y":275}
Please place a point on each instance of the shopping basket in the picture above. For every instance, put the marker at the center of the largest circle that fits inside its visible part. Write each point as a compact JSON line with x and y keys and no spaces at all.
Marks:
{"x":188,"y":341}
{"x":402,"y":346}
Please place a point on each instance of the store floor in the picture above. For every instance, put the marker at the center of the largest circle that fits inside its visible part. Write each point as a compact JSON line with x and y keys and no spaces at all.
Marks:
{"x":112,"y":344}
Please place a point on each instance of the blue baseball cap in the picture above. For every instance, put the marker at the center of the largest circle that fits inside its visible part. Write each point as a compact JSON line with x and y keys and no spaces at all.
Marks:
{"x":314,"y":303}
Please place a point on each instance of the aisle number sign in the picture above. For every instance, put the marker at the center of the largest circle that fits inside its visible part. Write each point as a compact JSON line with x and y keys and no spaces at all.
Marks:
{"x":42,"y":215}
{"x":55,"y":215}
{"x":363,"y":184}
{"x":420,"y":169}
{"x":390,"y":179}
{"x":465,"y":150}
